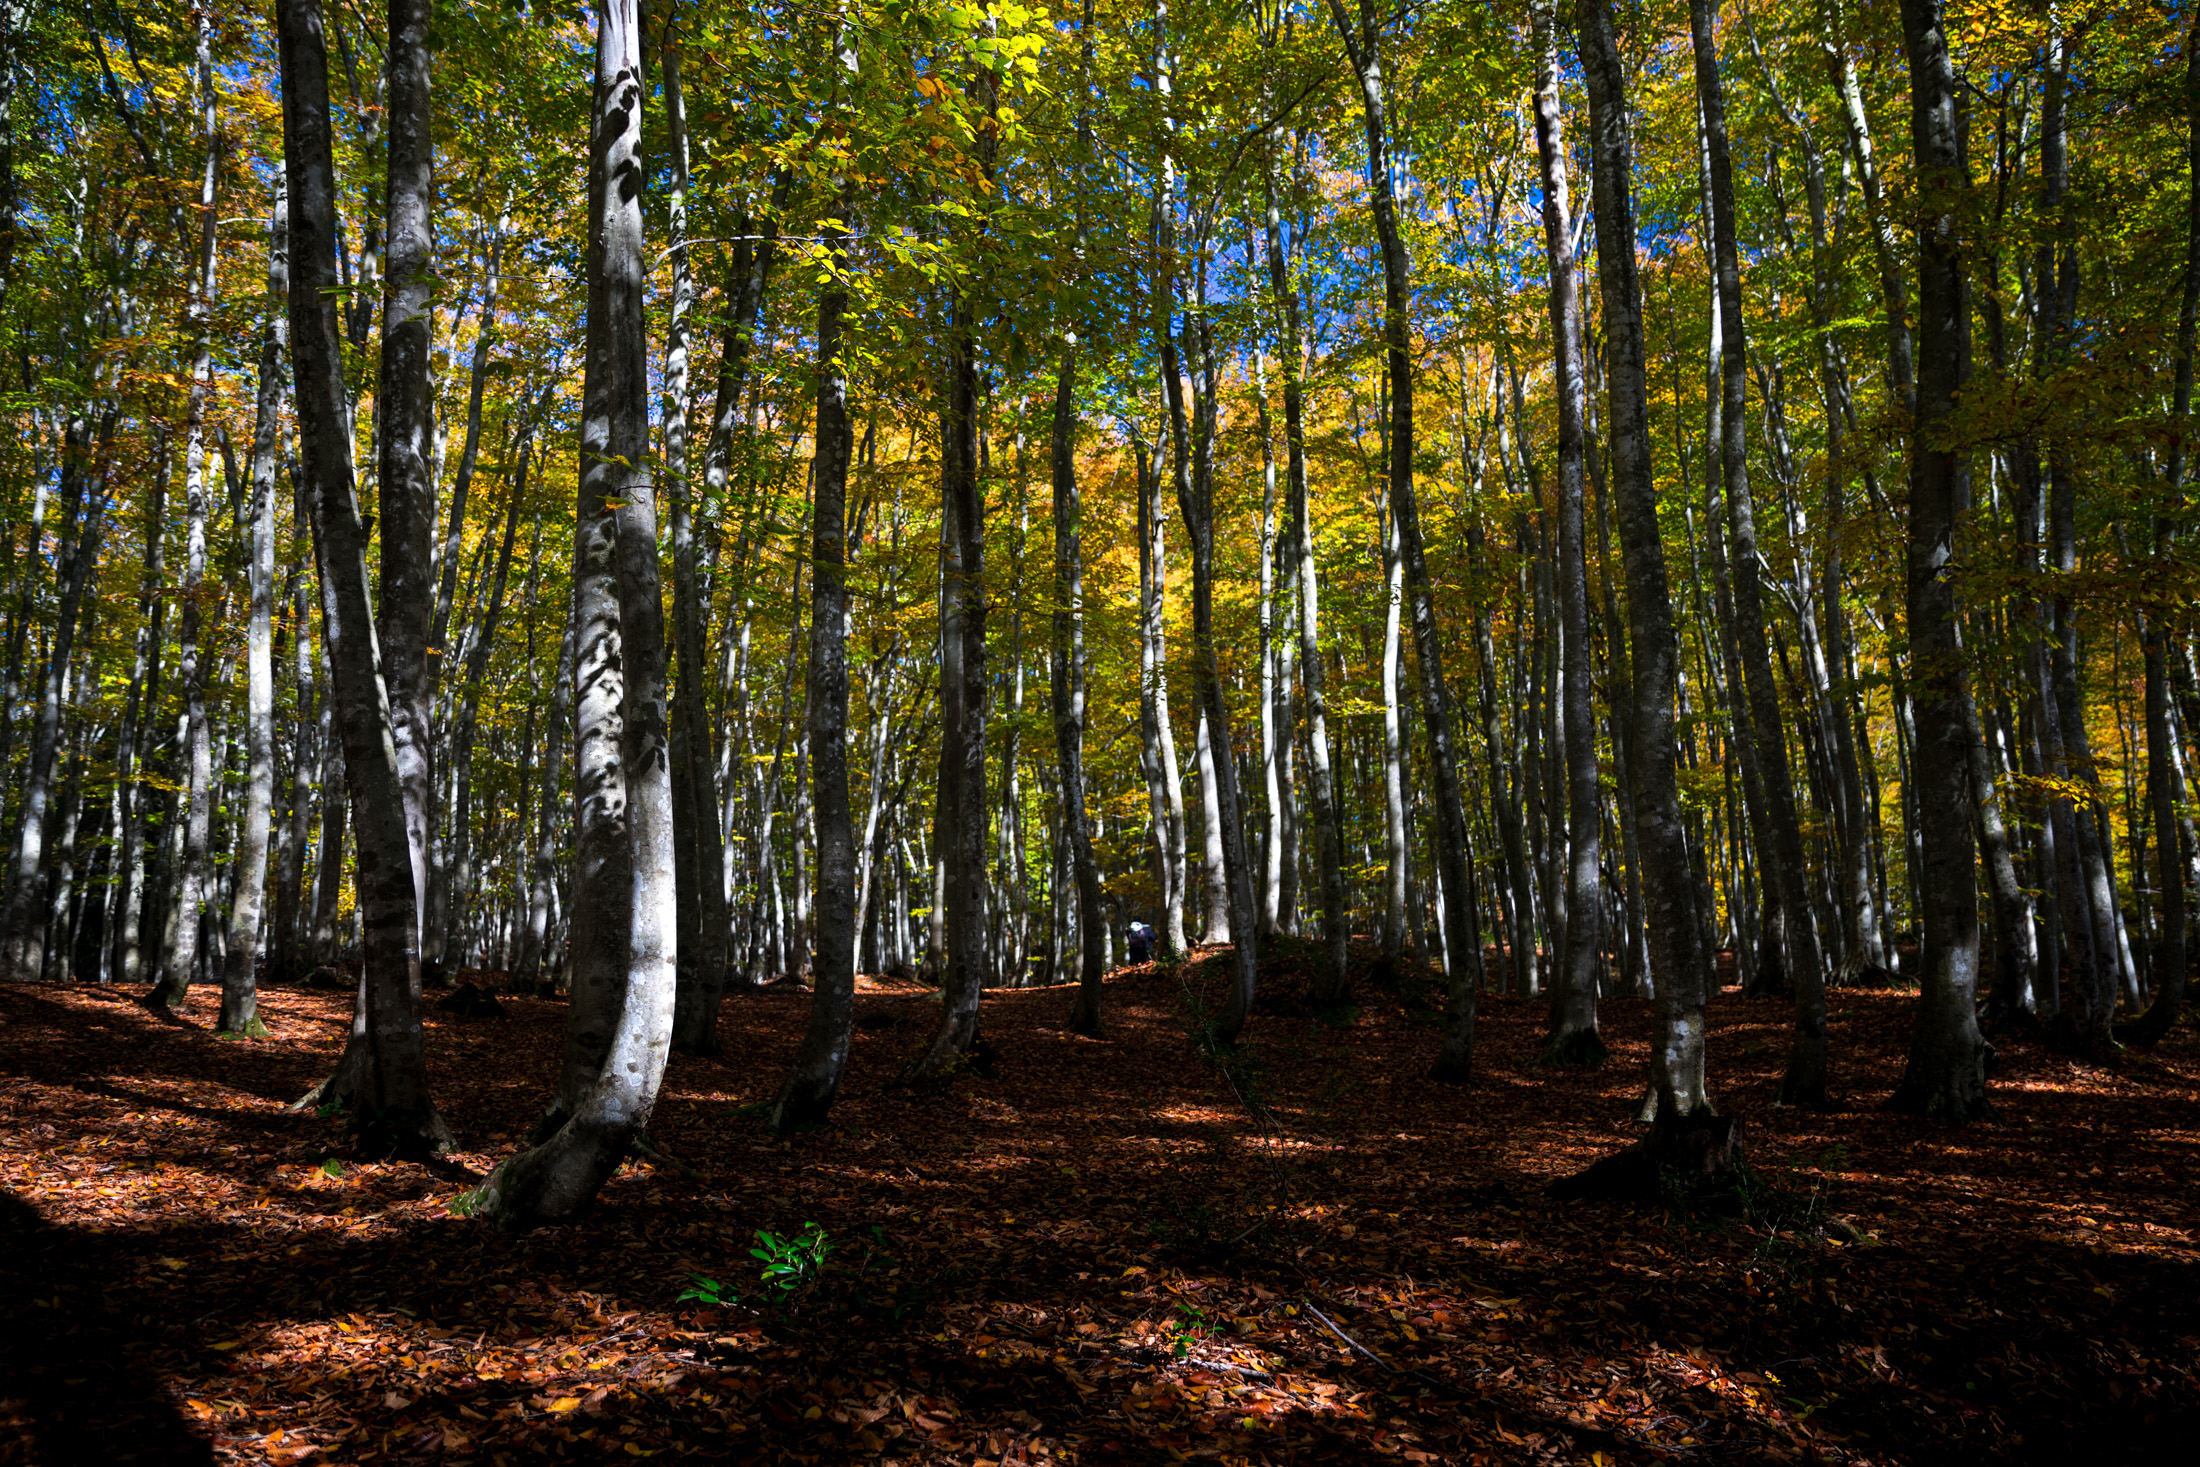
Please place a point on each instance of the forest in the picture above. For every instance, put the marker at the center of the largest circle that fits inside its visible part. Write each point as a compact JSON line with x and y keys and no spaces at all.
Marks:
{"x":954,"y":731}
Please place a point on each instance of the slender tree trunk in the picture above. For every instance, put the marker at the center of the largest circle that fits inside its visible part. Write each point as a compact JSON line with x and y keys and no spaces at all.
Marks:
{"x":814,"y":1080}
{"x":1946,"y":1075}
{"x":699,"y":875}
{"x":1573,"y":1037}
{"x":240,"y":1002}
{"x":1456,"y":1062}
{"x":1677,"y":964}
{"x":383,"y":1076}
{"x":1805,"y":1080}
{"x":405,"y":430}
{"x":622,"y":880}
{"x":1067,"y":668}
{"x":1330,"y":984}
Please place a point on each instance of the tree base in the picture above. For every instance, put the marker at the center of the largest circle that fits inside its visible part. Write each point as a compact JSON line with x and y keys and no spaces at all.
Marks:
{"x":1692,"y":1154}
{"x":251,"y":1028}
{"x":1951,"y":1090}
{"x":1582,"y":1048}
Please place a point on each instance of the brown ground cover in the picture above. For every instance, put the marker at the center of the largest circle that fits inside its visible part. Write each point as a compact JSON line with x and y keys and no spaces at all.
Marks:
{"x":1104,"y":1252}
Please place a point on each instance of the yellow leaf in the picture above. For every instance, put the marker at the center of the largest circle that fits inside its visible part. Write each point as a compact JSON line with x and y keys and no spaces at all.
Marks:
{"x":566,"y":1403}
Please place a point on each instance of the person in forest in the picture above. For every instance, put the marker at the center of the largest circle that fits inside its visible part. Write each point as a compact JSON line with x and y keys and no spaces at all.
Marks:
{"x":1141,"y":943}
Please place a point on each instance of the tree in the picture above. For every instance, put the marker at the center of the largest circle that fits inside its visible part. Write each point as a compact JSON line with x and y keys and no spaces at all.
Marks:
{"x":1946,"y":1076}
{"x":619,"y":1028}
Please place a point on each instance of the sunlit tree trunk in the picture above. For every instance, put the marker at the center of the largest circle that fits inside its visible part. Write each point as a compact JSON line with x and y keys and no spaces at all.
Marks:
{"x":619,"y":1022}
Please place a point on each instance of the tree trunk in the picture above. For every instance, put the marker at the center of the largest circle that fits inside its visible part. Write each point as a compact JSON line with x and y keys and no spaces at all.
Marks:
{"x":1946,"y":1075}
{"x":1456,"y":1062}
{"x":622,"y":879}
{"x":1677,"y":964}
{"x":1330,"y":984}
{"x":383,"y":1076}
{"x":240,"y":1002}
{"x":1067,"y":668}
{"x":1805,"y":1080}
{"x":2162,"y":802}
{"x":1573,"y":1037}
{"x":814,"y":1080}
{"x":405,"y":430}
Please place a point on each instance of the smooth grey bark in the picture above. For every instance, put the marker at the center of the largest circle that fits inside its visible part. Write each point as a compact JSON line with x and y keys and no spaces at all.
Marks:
{"x":814,"y":1079}
{"x":1805,"y":1080}
{"x":404,"y":426}
{"x":1946,"y":1075}
{"x":138,"y":717}
{"x":1677,"y":963}
{"x":1455,"y":1064}
{"x":1573,"y":1036}
{"x":620,"y":1019}
{"x":240,"y":1002}
{"x":383,"y":1077}
{"x":1886,"y":242}
{"x":1214,"y":926}
{"x":1067,"y":684}
{"x":1330,"y":984}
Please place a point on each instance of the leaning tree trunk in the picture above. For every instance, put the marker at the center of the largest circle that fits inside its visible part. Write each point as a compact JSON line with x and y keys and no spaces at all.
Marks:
{"x":622,"y":879}
{"x":1669,"y":897}
{"x":814,"y":1080}
{"x":1946,"y":1075}
{"x":1573,"y":1037}
{"x":383,"y":1077}
{"x":240,"y":1000}
{"x":1455,"y":1064}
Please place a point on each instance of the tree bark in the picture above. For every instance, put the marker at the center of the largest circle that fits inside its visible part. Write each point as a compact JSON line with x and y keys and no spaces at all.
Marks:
{"x":1677,"y":963}
{"x":622,"y":880}
{"x":240,"y":1003}
{"x":1573,"y":1037}
{"x":1806,"y":1077}
{"x":2171,"y":867}
{"x":383,"y":1076}
{"x":1455,"y":1064}
{"x":1946,"y":1075}
{"x":1067,"y":669}
{"x":814,"y":1080}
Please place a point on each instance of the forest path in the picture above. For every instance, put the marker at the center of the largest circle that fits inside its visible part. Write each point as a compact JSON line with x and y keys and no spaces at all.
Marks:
{"x":1099,"y":1254}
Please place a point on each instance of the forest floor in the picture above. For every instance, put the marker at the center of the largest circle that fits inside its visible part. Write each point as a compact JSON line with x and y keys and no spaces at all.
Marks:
{"x":1108,"y":1251}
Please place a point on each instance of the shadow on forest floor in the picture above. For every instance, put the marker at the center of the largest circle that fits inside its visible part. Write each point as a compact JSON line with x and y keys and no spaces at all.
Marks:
{"x":1098,"y":1256}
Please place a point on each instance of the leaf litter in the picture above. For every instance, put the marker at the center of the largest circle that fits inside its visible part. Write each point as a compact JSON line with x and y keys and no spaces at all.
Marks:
{"x":1108,"y":1251}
